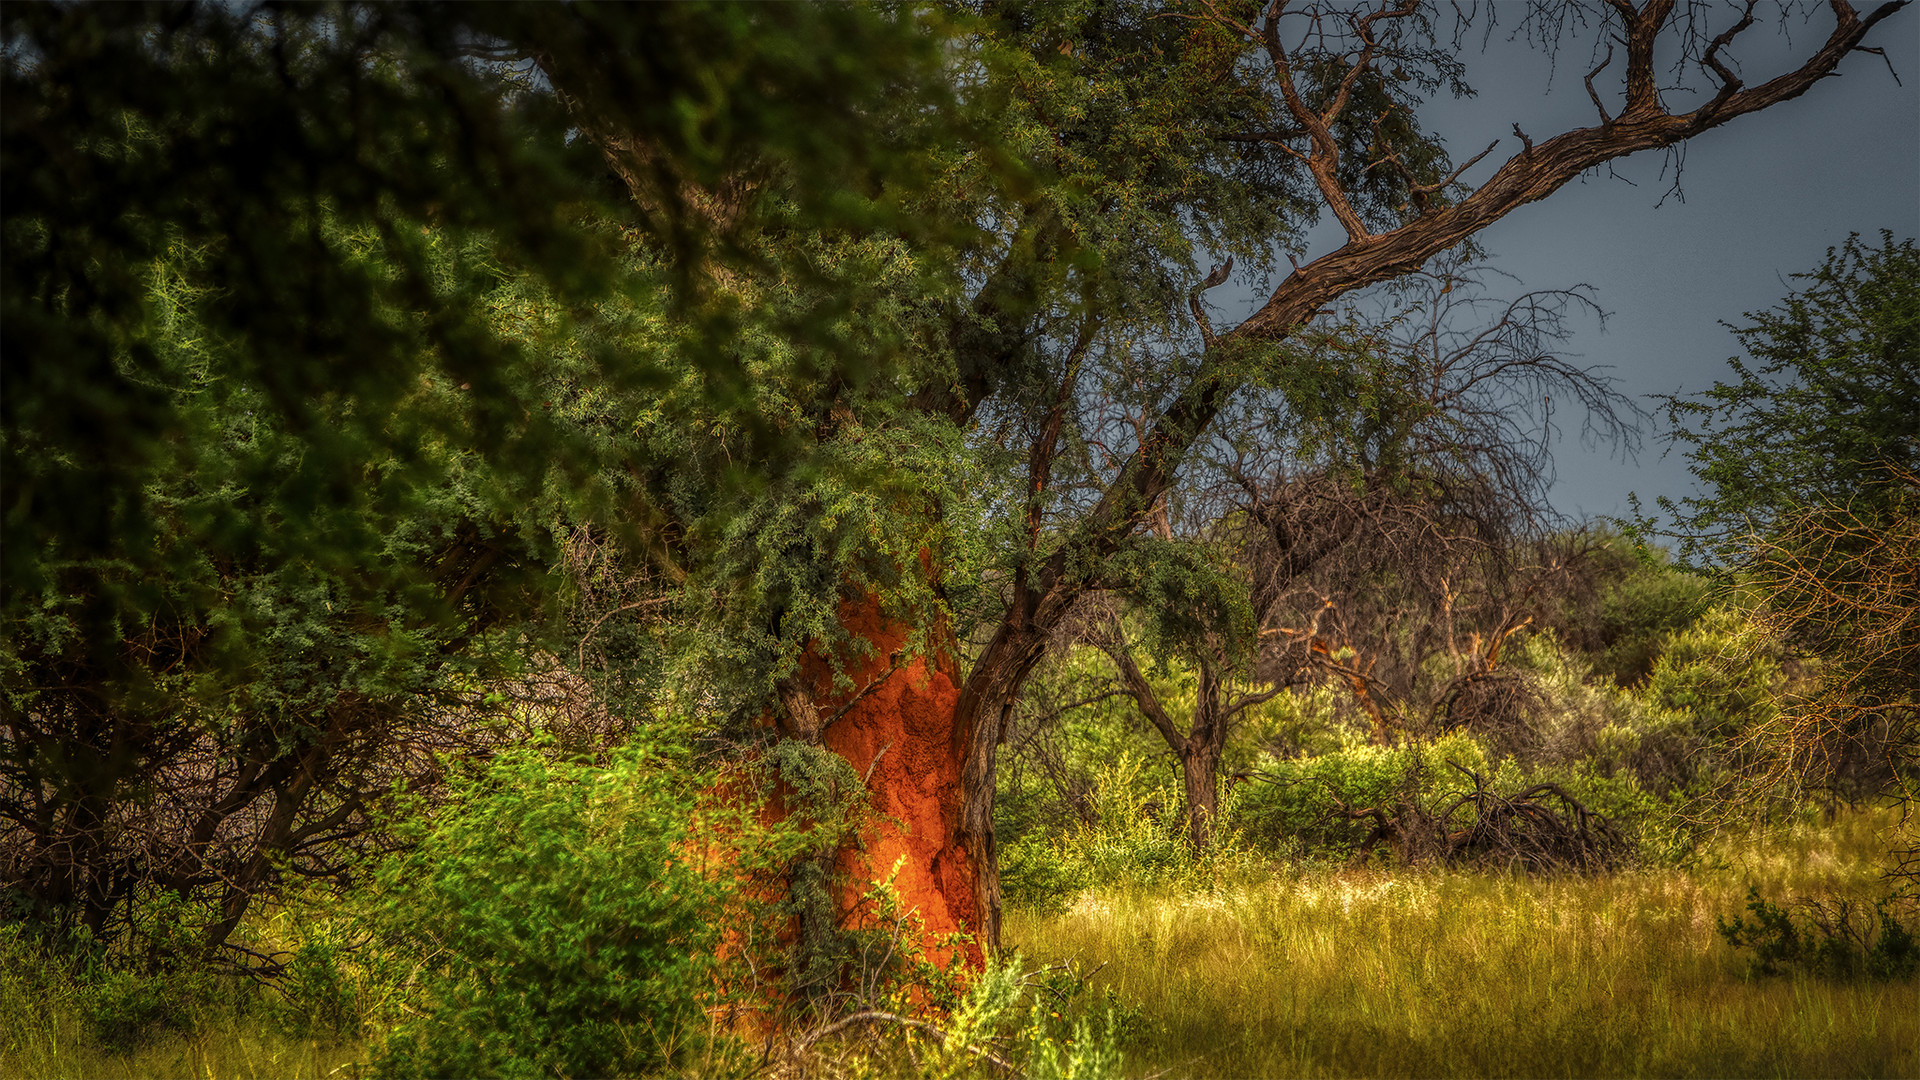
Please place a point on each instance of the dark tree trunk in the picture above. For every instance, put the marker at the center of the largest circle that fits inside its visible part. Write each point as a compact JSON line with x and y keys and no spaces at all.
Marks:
{"x":980,"y":720}
{"x":1200,"y":767}
{"x":1200,"y":759}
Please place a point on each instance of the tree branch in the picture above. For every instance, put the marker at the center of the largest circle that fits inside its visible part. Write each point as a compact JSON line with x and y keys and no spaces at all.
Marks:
{"x":1114,"y":645}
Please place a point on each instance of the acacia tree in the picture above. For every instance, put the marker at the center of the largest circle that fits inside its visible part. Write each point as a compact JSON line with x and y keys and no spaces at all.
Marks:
{"x":1150,"y":133}
{"x":1321,"y":68}
{"x":1809,"y":459}
{"x":1372,"y":515}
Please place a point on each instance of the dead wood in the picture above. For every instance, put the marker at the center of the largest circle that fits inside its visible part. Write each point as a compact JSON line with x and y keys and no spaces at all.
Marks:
{"x":1540,"y":829}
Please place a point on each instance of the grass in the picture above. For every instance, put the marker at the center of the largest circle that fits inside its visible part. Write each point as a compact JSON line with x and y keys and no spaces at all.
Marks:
{"x":232,"y":1045}
{"x":44,"y":1035}
{"x":1336,"y":973}
{"x":1321,"y":972}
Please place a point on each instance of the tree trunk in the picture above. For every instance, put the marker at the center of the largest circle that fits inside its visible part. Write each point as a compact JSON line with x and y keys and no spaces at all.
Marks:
{"x":979,"y":724}
{"x":1200,"y":755}
{"x":1200,"y":767}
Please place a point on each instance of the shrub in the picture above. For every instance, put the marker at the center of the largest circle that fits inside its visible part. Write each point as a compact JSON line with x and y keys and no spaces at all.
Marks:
{"x":1137,"y":836}
{"x":1722,"y":672}
{"x":1297,"y":803}
{"x":1041,"y":1025}
{"x":317,"y":990}
{"x":1839,"y":938}
{"x":1041,"y":871}
{"x":565,"y":925}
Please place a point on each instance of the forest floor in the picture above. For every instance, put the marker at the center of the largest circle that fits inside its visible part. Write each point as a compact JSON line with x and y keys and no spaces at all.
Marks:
{"x":1305,"y":971}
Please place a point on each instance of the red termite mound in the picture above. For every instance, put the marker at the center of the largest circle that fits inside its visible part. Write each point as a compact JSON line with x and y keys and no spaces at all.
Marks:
{"x":901,"y":734}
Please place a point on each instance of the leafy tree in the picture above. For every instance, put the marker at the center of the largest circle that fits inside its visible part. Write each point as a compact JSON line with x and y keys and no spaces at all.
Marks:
{"x":1810,"y":461}
{"x":1385,"y":513}
{"x":1306,"y":70}
{"x":304,"y":317}
{"x":1822,"y":411}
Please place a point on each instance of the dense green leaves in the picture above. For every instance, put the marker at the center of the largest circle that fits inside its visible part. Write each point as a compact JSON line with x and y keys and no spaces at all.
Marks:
{"x":569,"y":924}
{"x":323,"y":324}
{"x":1823,"y":408}
{"x":1812,"y":467}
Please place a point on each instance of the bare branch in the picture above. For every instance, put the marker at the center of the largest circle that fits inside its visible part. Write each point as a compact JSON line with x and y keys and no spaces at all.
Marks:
{"x":1324,"y":161}
{"x":1729,"y":82}
{"x":1113,"y":643}
{"x":1595,"y":94}
{"x":1214,"y":279}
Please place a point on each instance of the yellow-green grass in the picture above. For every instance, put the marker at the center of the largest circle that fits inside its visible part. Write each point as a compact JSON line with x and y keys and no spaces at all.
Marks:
{"x":47,"y":1040}
{"x":45,"y":1032}
{"x":1376,"y":973}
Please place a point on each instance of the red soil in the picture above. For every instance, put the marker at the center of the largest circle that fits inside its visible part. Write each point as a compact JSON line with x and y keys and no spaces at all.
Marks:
{"x":907,"y":724}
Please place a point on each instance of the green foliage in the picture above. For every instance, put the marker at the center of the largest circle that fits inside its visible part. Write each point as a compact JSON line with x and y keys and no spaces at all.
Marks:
{"x":1305,"y":722}
{"x":1058,"y":757}
{"x":1811,"y":469}
{"x":564,"y":917}
{"x":1045,"y":1023}
{"x":1723,"y":672}
{"x":126,"y":994}
{"x":1636,"y":599}
{"x":1839,"y":938}
{"x":1638,"y":613}
{"x":1823,"y":406}
{"x":1593,"y":725}
{"x":291,"y":434}
{"x":1136,"y":834}
{"x":836,"y":960}
{"x":1043,"y":872}
{"x":266,"y":626}
{"x":1082,"y":1048}
{"x":1294,"y":803}
{"x":1190,"y":598}
{"x":317,"y":991}
{"x":123,"y":141}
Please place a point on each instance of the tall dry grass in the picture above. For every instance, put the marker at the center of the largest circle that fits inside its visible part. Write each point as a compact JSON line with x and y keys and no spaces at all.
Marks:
{"x":1369,"y":973}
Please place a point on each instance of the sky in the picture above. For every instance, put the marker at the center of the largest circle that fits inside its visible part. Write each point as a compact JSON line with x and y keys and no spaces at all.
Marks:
{"x":1765,"y":196}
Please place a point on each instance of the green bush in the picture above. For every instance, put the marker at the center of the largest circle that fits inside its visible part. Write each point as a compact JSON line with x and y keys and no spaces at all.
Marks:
{"x":1838,"y":939}
{"x":317,"y":991}
{"x":1722,"y":672}
{"x":1638,"y":615}
{"x":563,"y":925}
{"x":1294,"y":804}
{"x":1137,"y":836}
{"x":1060,"y":1034}
{"x":1041,"y":872}
{"x":151,"y":980}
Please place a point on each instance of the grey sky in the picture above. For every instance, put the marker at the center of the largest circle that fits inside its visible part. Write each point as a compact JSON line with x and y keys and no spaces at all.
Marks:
{"x":1765,"y":196}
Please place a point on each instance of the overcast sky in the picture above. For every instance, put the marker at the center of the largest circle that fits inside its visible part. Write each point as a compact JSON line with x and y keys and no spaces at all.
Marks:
{"x":1764,"y":197}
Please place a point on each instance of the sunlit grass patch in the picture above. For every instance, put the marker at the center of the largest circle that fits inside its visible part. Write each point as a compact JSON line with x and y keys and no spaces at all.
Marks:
{"x":1334,"y":972}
